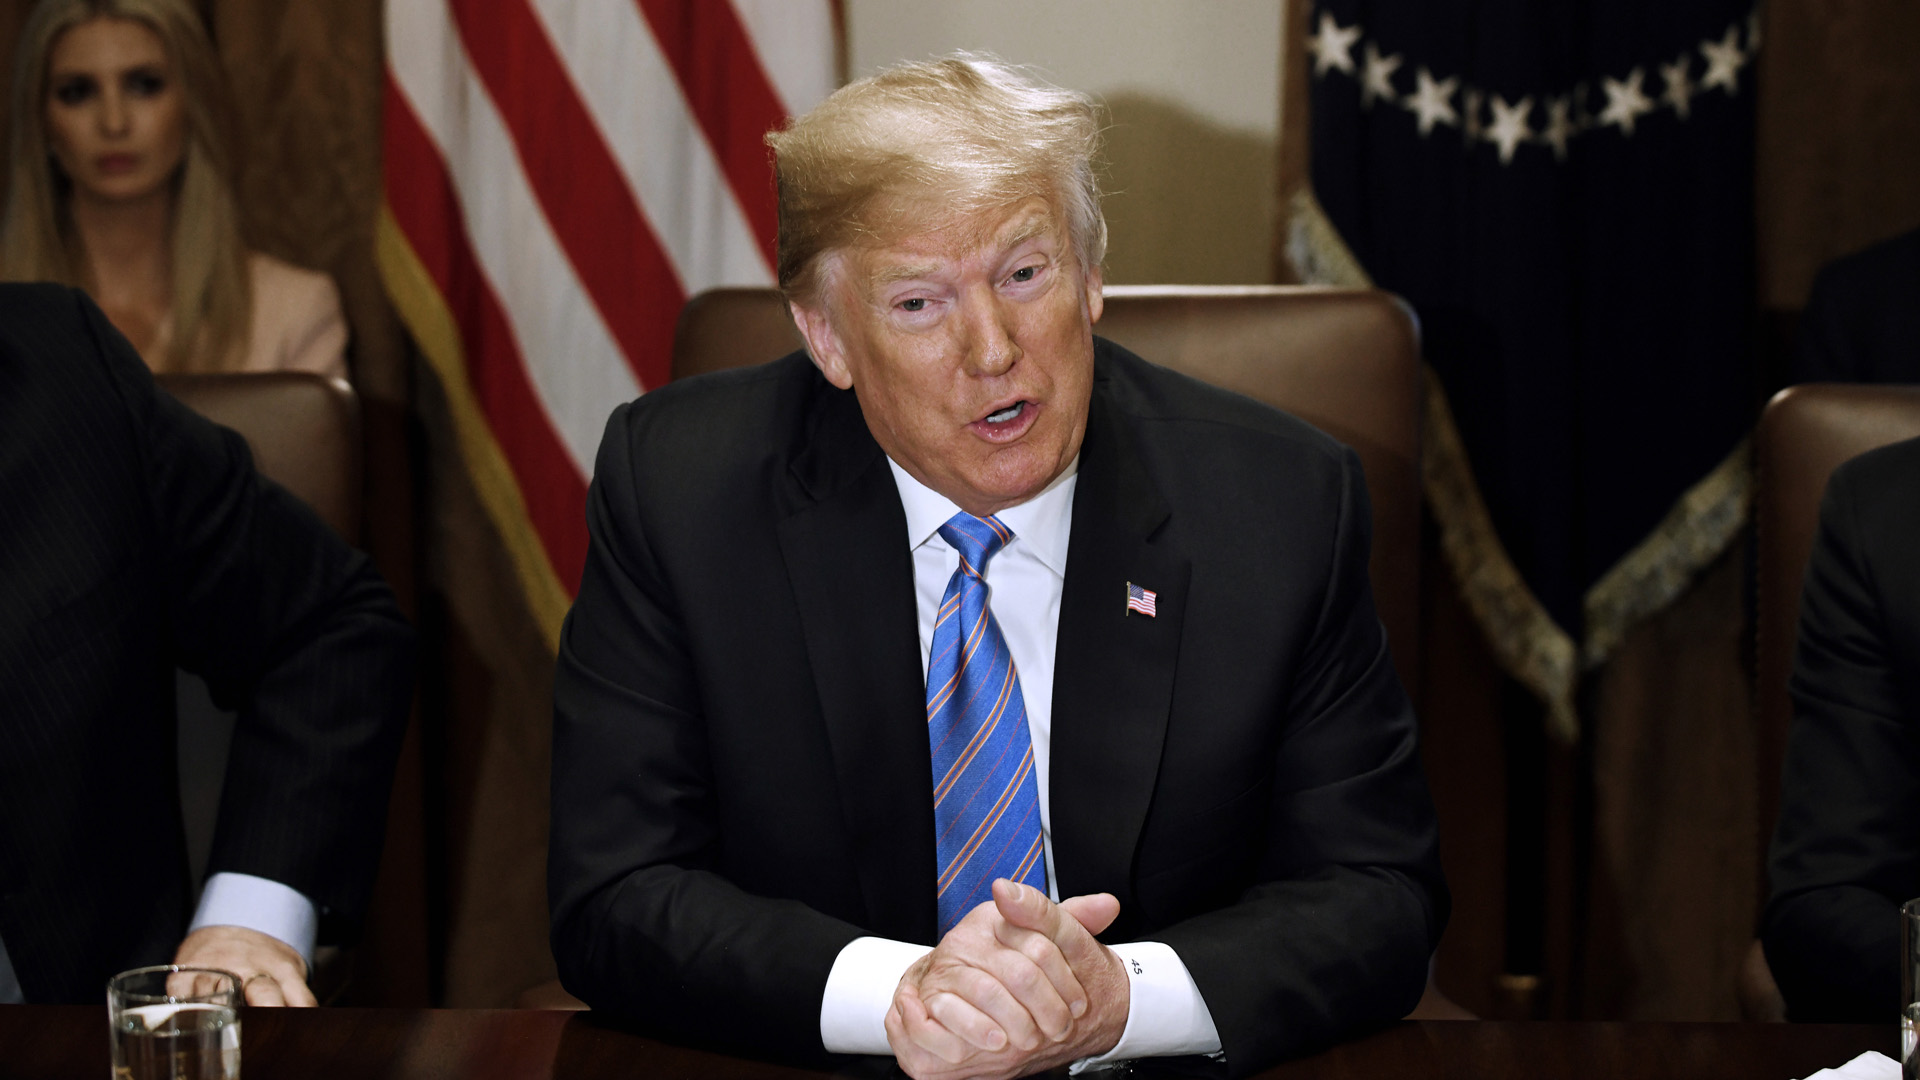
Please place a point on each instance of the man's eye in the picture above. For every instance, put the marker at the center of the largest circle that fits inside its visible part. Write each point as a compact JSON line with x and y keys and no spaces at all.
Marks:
{"x":73,"y":91}
{"x":1025,"y":273}
{"x":915,"y":304}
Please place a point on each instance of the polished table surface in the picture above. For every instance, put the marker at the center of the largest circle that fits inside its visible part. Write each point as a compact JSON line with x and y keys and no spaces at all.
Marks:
{"x":52,"y":1042}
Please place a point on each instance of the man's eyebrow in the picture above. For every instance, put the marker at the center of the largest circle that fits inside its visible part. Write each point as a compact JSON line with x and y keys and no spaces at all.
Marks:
{"x":1034,"y":227}
{"x":1037,"y":226}
{"x":893,"y":274}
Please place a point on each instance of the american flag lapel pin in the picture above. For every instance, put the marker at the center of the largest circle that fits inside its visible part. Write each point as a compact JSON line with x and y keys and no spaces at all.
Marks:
{"x":1140,"y":600}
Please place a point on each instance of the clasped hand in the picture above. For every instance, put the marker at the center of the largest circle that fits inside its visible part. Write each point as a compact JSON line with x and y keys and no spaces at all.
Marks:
{"x":269,"y":970}
{"x":1017,"y":986}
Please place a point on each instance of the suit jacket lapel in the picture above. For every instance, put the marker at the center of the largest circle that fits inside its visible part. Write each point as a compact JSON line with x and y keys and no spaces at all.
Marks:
{"x":852,"y":573}
{"x":1113,"y":671}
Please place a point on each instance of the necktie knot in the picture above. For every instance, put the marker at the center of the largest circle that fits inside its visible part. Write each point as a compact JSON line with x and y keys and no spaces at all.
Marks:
{"x":976,"y":539}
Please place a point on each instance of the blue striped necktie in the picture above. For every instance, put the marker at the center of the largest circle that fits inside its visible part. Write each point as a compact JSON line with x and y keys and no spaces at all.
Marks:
{"x":986,"y":804}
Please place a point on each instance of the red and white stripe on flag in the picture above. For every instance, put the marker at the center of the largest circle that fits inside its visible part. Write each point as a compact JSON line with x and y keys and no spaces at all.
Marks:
{"x":560,"y":176}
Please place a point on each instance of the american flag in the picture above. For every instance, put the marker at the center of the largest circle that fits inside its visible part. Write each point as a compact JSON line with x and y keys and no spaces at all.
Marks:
{"x":1140,"y":600}
{"x":560,"y":176}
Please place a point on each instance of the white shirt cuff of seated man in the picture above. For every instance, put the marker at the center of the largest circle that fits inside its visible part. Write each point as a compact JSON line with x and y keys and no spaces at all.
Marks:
{"x":1165,"y":1013}
{"x":257,"y":903}
{"x":853,"y":1011}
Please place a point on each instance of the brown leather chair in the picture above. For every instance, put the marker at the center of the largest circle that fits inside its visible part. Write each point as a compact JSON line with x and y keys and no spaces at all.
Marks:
{"x":1804,"y":434}
{"x":303,"y":429}
{"x":1345,"y":360}
{"x":304,"y":432}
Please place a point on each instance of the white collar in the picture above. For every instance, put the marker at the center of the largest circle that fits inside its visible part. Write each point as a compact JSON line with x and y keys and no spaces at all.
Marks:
{"x":1044,"y":523}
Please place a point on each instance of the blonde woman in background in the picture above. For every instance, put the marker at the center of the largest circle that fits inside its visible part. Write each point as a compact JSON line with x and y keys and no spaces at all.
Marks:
{"x":121,"y":183}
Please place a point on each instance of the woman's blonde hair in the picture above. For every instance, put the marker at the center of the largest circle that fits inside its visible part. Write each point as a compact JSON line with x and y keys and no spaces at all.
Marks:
{"x":212,"y":301}
{"x":923,"y":143}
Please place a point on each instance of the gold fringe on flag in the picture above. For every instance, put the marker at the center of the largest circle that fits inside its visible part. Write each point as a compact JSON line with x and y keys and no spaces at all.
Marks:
{"x":1702,"y":524}
{"x":424,"y":311}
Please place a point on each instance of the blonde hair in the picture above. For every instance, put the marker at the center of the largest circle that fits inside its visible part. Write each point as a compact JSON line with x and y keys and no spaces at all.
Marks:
{"x":212,"y":296}
{"x":920,"y":144}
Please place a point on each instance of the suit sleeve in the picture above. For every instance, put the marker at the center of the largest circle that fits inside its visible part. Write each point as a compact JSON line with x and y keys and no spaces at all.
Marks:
{"x":643,"y":924}
{"x":1846,"y":851}
{"x":1349,"y":901}
{"x":292,"y":628}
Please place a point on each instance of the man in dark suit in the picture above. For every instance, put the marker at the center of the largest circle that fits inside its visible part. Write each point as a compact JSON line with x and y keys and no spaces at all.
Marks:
{"x":1861,"y":323}
{"x":135,"y":537}
{"x":903,"y":666}
{"x":1846,"y":852}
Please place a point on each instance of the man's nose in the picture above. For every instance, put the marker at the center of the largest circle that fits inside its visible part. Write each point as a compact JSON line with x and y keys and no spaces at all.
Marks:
{"x":991,"y":348}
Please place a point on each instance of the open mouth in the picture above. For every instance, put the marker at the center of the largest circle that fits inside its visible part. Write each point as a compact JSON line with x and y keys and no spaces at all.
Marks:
{"x":1008,"y":424}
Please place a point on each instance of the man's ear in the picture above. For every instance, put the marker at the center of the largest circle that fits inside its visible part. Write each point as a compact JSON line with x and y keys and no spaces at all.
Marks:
{"x":1096,"y":300}
{"x":822,"y":345}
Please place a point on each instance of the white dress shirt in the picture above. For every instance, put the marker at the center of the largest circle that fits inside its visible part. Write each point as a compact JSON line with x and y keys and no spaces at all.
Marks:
{"x":1166,"y":1014}
{"x":228,"y":900}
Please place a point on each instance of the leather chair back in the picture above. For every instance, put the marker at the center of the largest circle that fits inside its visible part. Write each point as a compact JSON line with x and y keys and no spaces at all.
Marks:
{"x":303,"y":429}
{"x":1345,"y":360}
{"x":1805,"y":433}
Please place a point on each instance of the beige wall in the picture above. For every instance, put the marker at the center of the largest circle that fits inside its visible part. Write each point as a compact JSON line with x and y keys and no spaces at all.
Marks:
{"x":1193,"y":90}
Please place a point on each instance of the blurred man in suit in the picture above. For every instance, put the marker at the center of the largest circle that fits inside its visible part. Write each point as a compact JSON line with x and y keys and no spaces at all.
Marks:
{"x":1861,"y":323}
{"x":1846,"y":852}
{"x":137,"y":537}
{"x":903,"y":666}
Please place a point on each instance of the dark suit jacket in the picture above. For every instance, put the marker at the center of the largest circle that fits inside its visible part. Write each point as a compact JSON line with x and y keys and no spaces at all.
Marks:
{"x":1861,"y":323}
{"x":1846,"y":853}
{"x":134,"y":537}
{"x":741,"y":777}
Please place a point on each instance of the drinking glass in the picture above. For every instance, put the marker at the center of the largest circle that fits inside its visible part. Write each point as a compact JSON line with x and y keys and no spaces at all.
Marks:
{"x":1909,"y":989}
{"x":174,"y":1023}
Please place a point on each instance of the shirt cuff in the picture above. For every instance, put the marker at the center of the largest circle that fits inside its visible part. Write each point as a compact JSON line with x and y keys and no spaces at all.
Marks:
{"x":1165,"y":1014}
{"x":256,"y":903}
{"x":853,"y":1011}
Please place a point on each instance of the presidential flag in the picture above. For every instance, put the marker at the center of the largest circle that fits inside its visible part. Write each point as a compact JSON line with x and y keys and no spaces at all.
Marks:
{"x":1564,"y":192}
{"x":560,"y":175}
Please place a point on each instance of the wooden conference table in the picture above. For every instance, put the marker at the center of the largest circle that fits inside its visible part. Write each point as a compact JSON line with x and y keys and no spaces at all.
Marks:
{"x":53,"y":1042}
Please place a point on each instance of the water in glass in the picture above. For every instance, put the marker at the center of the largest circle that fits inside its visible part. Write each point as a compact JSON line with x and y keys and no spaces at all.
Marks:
{"x":177,"y":1041}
